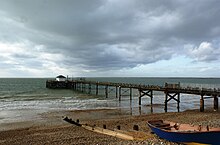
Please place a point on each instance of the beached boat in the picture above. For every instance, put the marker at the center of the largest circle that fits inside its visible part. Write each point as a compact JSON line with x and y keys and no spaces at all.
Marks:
{"x":185,"y":133}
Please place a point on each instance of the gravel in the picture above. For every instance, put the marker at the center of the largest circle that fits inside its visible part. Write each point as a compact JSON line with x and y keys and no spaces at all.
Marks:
{"x":66,"y":134}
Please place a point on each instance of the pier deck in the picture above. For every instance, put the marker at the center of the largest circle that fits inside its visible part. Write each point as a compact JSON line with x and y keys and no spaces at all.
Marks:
{"x":171,"y":91}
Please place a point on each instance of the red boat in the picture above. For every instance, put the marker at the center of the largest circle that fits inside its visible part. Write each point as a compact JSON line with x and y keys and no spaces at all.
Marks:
{"x":185,"y":133}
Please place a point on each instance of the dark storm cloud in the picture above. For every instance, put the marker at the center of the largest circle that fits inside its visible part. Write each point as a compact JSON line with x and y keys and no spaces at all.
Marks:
{"x":112,"y":34}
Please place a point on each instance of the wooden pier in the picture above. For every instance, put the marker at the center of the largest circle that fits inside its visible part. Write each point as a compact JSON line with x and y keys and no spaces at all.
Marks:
{"x":171,"y":91}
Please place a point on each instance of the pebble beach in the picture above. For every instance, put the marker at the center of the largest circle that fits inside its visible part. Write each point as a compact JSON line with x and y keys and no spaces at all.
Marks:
{"x":51,"y":129}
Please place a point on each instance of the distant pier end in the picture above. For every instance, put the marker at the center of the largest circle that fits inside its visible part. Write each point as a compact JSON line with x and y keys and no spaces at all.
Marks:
{"x":60,"y":82}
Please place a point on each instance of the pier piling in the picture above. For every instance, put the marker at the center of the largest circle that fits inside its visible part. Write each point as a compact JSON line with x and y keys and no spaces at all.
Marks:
{"x":116,"y":91}
{"x":215,"y":103}
{"x":106,"y":91}
{"x":89,"y":88}
{"x":97,"y":89}
{"x":148,"y":93}
{"x":202,"y":104}
{"x":172,"y":96}
{"x":119,"y":93}
{"x":130,"y":93}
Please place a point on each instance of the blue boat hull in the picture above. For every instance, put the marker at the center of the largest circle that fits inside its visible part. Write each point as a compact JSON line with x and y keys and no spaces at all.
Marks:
{"x":212,"y":138}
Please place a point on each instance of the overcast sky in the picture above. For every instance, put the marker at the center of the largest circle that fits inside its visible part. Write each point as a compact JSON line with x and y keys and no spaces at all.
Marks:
{"x":148,"y":38}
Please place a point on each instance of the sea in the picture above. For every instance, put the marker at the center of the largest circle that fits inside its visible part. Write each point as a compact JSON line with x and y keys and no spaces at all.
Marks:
{"x":20,"y":95}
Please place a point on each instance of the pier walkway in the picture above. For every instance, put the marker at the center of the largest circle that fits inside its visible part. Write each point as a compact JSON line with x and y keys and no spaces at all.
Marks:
{"x":171,"y":91}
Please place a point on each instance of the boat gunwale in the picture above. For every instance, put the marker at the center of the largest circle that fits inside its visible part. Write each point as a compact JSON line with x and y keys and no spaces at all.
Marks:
{"x":181,"y":131}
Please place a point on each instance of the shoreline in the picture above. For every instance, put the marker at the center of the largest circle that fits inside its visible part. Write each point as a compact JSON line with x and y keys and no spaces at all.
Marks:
{"x":49,"y":128}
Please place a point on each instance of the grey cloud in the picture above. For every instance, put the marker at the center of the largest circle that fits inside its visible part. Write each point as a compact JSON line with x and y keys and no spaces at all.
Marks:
{"x":22,"y":56}
{"x":199,"y":20}
{"x":98,"y":34}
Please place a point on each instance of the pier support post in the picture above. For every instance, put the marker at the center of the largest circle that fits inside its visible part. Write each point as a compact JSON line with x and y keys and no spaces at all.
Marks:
{"x":130,"y":93}
{"x":165,"y":103}
{"x":171,"y":96}
{"x":178,"y":102}
{"x":81,"y":87}
{"x":97,"y":89}
{"x":75,"y":85}
{"x":215,"y":102}
{"x":116,"y":92}
{"x":202,"y":104}
{"x":148,"y":93}
{"x":89,"y":88}
{"x":106,"y":91}
{"x":122,"y":91}
{"x":119,"y":93}
{"x":140,"y":97}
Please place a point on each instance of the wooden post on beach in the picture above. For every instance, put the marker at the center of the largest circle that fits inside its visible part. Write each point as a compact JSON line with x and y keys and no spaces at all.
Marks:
{"x":215,"y":102}
{"x":106,"y":91}
{"x":135,"y":127}
{"x":119,"y":93}
{"x":119,"y":127}
{"x":202,"y":104}
{"x":104,"y":126}
{"x":97,"y":89}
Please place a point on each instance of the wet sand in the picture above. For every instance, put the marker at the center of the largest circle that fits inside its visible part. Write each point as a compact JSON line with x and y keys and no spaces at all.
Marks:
{"x":49,"y":128}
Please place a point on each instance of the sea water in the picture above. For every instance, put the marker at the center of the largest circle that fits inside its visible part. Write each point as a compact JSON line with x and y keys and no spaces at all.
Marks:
{"x":20,"y":95}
